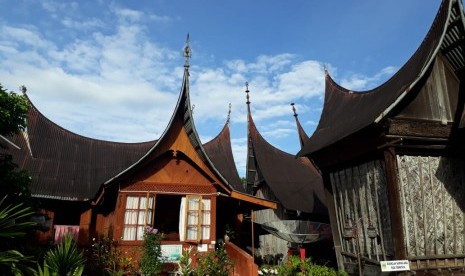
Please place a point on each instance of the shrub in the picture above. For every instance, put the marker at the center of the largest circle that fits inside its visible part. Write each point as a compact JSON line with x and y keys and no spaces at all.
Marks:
{"x":107,"y":259}
{"x":151,"y":262}
{"x":185,"y":263}
{"x":295,"y":266}
{"x":214,"y":263}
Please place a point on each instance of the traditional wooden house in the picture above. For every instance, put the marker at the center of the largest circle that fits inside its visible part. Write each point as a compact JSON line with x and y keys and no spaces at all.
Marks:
{"x":279,"y":176}
{"x":392,"y":159}
{"x":187,"y":190}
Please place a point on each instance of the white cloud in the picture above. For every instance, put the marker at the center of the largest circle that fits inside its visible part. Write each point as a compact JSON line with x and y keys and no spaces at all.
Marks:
{"x":360,"y":82}
{"x":128,"y":14}
{"x":114,"y":81}
{"x":22,"y":36}
{"x":239,"y":146}
{"x":58,"y":6}
{"x":279,"y":133}
{"x":82,"y":25}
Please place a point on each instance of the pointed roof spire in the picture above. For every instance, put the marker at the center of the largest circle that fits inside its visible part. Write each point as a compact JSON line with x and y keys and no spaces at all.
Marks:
{"x":23,"y":89}
{"x":293,"y":109}
{"x":247,"y":92}
{"x":303,"y":137}
{"x":229,"y":114}
{"x":187,"y":52}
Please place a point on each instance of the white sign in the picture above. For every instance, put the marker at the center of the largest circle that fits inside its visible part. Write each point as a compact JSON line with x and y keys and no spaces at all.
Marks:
{"x":399,"y":265}
{"x":171,"y":253}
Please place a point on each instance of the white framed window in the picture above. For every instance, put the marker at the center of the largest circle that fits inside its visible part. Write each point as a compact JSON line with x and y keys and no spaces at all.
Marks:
{"x":195,"y":218}
{"x":138,"y":214}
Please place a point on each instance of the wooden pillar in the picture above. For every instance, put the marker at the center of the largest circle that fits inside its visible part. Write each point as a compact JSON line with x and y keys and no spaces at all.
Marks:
{"x":213,"y":216}
{"x":394,"y":198}
{"x":253,"y":235}
{"x":331,"y":204}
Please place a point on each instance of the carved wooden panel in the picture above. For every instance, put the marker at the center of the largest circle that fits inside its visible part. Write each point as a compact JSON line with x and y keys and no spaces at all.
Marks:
{"x":433,"y":204}
{"x":361,"y":198}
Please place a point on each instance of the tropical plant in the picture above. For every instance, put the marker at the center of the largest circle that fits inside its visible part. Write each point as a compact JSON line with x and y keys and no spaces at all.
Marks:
{"x":12,"y":222}
{"x":65,"y":259}
{"x":12,"y":262}
{"x":107,"y":259}
{"x":185,"y":263}
{"x":214,"y":263}
{"x":295,"y":266}
{"x":13,"y":225}
{"x":151,"y":262}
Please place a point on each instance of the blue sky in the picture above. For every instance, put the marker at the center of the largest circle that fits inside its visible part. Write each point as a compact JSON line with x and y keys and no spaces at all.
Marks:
{"x":112,"y":69}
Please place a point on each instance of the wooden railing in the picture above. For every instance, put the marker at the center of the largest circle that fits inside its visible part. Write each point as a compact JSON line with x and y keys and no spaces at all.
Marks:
{"x":243,"y":262}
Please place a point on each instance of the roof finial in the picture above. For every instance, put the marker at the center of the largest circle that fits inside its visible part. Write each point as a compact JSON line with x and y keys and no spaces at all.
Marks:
{"x":229,"y":113}
{"x":192,"y":108}
{"x":23,"y":89}
{"x":247,"y":92}
{"x":293,"y":109}
{"x":187,"y":52}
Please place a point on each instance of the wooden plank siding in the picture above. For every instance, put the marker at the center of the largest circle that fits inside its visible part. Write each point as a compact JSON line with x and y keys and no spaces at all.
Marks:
{"x":270,"y":244}
{"x":433,"y":205}
{"x":360,"y":196}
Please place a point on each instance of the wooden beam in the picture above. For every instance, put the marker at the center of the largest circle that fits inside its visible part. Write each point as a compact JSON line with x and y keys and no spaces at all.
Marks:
{"x":419,"y":128}
{"x":394,"y":198}
{"x":255,"y":200}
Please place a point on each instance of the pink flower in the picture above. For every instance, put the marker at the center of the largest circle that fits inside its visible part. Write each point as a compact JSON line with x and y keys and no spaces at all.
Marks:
{"x":154,"y":231}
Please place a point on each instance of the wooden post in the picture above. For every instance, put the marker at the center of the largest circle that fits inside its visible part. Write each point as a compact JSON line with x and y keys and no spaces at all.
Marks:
{"x":394,"y":204}
{"x":331,"y":205}
{"x":253,"y":238}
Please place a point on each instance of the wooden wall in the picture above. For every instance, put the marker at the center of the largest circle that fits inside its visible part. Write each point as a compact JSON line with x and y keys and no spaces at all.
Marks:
{"x":270,"y":244}
{"x":433,"y":205}
{"x":360,"y":197}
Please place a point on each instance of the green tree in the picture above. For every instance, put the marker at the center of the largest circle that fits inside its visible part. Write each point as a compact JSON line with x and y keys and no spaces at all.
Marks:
{"x":13,"y":111}
{"x":13,"y":114}
{"x":14,"y":189}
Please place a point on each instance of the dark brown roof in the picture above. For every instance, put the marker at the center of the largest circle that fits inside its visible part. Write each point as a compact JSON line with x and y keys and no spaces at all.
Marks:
{"x":64,"y":165}
{"x":346,"y":112}
{"x":294,"y":181}
{"x":182,"y":112}
{"x":303,"y":137}
{"x":220,"y":152}
{"x":68,"y":166}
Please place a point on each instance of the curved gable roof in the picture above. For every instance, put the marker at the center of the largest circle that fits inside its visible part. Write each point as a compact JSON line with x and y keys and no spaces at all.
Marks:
{"x":220,"y":151}
{"x":294,"y":181}
{"x":182,"y":112}
{"x":346,"y":112}
{"x":65,"y":165}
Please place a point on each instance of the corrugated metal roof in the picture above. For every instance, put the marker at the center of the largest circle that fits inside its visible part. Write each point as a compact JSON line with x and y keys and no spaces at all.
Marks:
{"x":67,"y":166}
